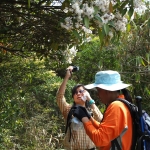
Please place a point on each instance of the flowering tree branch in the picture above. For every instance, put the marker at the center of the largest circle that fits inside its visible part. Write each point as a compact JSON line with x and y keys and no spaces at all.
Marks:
{"x":109,"y":17}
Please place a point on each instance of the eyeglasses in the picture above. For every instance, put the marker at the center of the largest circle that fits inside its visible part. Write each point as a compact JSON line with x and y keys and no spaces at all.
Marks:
{"x":80,"y":92}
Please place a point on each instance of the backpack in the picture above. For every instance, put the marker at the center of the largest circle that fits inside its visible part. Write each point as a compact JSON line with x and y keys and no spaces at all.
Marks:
{"x":140,"y":126}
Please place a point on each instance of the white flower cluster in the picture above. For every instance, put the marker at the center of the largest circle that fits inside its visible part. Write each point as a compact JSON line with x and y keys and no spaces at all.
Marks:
{"x":70,"y":54}
{"x":103,"y":5}
{"x":80,"y":10}
{"x":139,"y":6}
{"x":68,"y":23}
{"x":120,"y":22}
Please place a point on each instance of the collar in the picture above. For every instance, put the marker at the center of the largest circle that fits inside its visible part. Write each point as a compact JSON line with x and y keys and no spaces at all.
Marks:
{"x":121,"y":96}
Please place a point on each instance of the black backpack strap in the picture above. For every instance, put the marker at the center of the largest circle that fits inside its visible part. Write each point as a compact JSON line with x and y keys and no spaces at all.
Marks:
{"x":68,"y":120}
{"x":68,"y":125}
{"x":114,"y":144}
{"x":130,"y":106}
{"x":140,"y":143}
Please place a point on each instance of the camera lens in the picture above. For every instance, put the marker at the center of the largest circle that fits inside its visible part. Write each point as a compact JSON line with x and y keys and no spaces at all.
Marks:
{"x":75,"y":68}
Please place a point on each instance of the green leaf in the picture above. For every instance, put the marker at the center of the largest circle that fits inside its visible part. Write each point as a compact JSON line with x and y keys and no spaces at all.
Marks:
{"x":76,"y":34}
{"x":148,"y":23}
{"x":123,"y":12}
{"x":116,"y":6}
{"x":106,"y":28}
{"x":142,"y":62}
{"x":98,"y":18}
{"x":128,"y":27}
{"x":137,"y":77}
{"x":66,"y":3}
{"x":147,"y":91}
{"x":86,"y":21}
{"x":123,"y":5}
{"x":101,"y":34}
{"x":95,"y":9}
{"x":130,"y":12}
{"x":137,"y":61}
{"x":28,"y":3}
{"x":131,"y":3}
{"x":111,"y":23}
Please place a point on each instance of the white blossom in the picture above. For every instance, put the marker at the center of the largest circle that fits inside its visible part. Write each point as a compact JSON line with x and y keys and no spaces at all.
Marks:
{"x":120,"y":26}
{"x":107,"y":17}
{"x":66,"y":10}
{"x":79,"y":18}
{"x":88,"y":11}
{"x":77,"y":25}
{"x":139,"y":6}
{"x":70,"y":54}
{"x":86,"y":30}
{"x":79,"y":10}
{"x":110,"y":34}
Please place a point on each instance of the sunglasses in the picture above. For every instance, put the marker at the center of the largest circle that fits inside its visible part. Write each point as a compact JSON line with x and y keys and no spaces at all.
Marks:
{"x":80,"y":92}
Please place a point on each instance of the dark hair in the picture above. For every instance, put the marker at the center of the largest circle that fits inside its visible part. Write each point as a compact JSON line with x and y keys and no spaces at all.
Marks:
{"x":126,"y":94}
{"x":75,"y":88}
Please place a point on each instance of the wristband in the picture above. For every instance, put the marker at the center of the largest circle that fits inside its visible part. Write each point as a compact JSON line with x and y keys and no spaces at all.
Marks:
{"x":91,"y":101}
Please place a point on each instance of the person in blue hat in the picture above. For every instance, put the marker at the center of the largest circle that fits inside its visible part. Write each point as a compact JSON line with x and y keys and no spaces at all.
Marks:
{"x":117,"y":120}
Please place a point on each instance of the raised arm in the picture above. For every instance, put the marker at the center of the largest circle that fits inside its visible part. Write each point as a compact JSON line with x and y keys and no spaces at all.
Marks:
{"x":62,"y":87}
{"x":61,"y":101}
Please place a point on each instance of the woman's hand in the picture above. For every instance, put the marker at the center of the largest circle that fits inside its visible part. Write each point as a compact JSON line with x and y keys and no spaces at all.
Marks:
{"x":86,"y":94}
{"x":69,"y":71}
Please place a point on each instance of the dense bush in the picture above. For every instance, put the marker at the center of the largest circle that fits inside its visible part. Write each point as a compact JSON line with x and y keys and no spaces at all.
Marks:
{"x":30,"y":118}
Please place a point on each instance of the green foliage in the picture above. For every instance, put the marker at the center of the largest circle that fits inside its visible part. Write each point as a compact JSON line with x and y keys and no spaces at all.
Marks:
{"x":91,"y":58}
{"x":130,"y":56}
{"x":29,"y":115}
{"x":29,"y":27}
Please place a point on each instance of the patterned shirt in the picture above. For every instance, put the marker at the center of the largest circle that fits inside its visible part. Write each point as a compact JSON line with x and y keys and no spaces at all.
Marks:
{"x":79,"y":139}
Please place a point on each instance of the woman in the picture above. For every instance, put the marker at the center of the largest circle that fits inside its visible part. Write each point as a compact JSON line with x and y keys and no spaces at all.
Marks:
{"x":76,"y":138}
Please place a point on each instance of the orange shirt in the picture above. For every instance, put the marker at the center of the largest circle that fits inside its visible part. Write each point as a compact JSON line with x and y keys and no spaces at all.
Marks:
{"x":117,"y":123}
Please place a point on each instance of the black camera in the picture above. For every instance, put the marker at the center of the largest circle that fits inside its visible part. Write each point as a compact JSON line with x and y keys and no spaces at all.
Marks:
{"x":75,"y":68}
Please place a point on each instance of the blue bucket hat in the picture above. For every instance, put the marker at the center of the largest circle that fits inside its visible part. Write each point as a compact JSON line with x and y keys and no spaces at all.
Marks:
{"x":108,"y":80}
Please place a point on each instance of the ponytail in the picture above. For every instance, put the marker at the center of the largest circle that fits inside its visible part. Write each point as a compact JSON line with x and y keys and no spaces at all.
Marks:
{"x":127,"y":95}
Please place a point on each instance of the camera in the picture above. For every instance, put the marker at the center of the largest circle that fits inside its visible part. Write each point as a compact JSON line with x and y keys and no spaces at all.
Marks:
{"x":75,"y":68}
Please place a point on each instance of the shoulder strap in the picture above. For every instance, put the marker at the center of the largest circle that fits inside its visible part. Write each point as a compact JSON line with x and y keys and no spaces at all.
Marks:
{"x":114,"y":144}
{"x":131,"y":108}
{"x":68,"y":124}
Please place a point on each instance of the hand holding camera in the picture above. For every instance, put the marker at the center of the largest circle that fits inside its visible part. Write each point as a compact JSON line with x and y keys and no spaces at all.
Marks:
{"x":71,"y":69}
